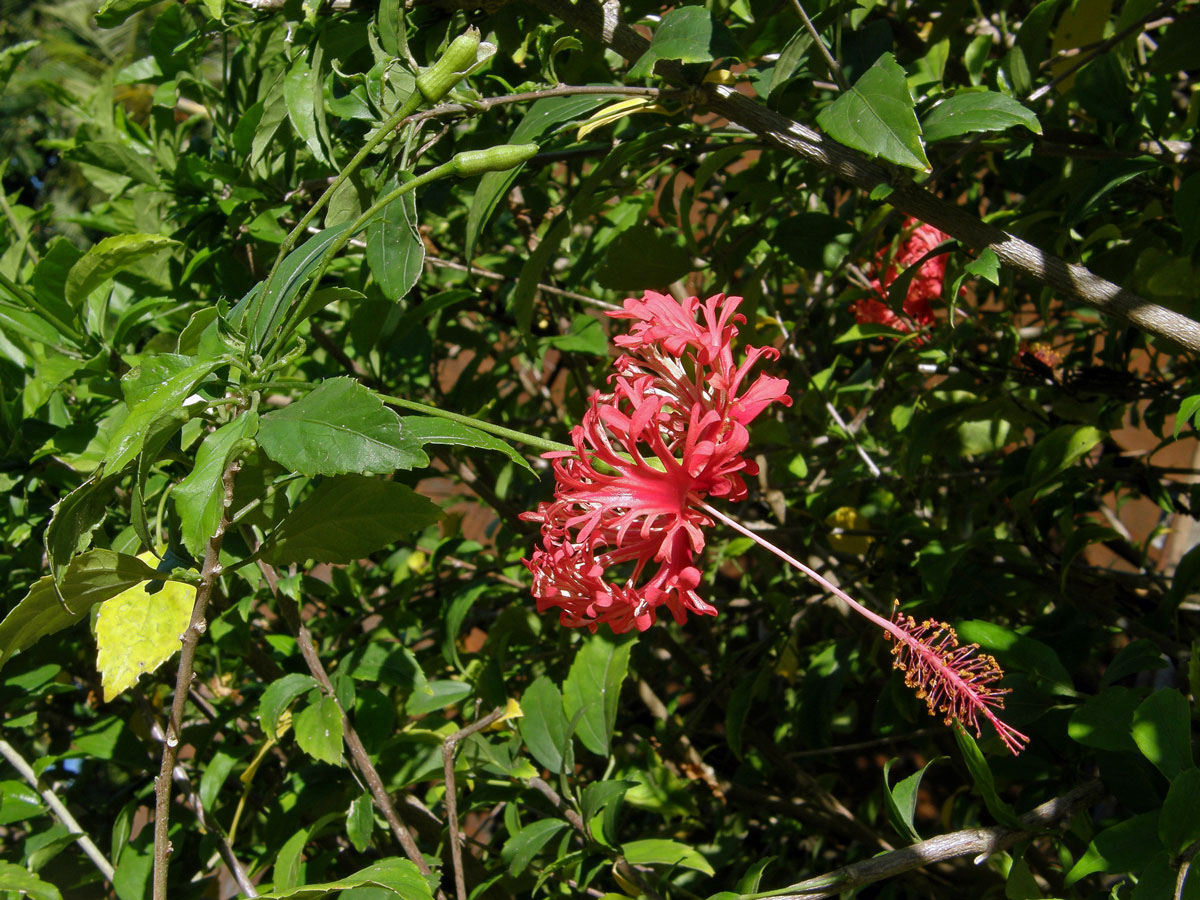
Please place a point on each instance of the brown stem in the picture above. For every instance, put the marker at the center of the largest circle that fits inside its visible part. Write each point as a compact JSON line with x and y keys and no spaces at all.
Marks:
{"x":974,"y":842}
{"x":449,"y":745}
{"x":1069,"y":279}
{"x":358,"y":753}
{"x":209,"y":572}
{"x":181,"y":777}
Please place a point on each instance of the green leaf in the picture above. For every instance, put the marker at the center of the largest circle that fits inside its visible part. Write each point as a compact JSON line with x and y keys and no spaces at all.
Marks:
{"x":133,"y":872}
{"x":643,"y":256}
{"x":876,"y":116}
{"x":113,"y":12}
{"x":126,"y":442}
{"x":544,"y":726}
{"x":689,"y":34}
{"x":339,"y":427}
{"x":18,"y":802}
{"x":1104,"y":720}
{"x":597,"y":795}
{"x":656,"y":851}
{"x":985,"y":784}
{"x":279,"y":696}
{"x":1121,"y":848}
{"x":200,"y":497}
{"x":1187,"y":409}
{"x":1162,"y":730}
{"x":18,"y":879}
{"x":220,"y":764}
{"x":520,"y":849}
{"x":258,"y":314}
{"x":395,"y":251}
{"x":10,"y":58}
{"x":434,"y":430}
{"x":1186,"y":207}
{"x":397,"y":876}
{"x":74,"y":518}
{"x":1019,"y":652}
{"x":346,"y":518}
{"x":1179,"y":824}
{"x":977,"y":111}
{"x":902,"y":799}
{"x":301,"y":92}
{"x":1136,"y":656}
{"x":985,"y":266}
{"x":318,"y":730}
{"x":107,"y":258}
{"x":391,"y":664}
{"x":594,"y":687}
{"x":91,"y":578}
{"x":541,"y":117}
{"x":137,"y":632}
{"x":360,"y":820}
{"x":1060,"y":449}
{"x":122,"y":160}
{"x":436,"y":696}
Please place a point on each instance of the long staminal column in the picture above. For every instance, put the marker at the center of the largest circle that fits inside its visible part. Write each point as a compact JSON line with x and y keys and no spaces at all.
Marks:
{"x":954,"y":682}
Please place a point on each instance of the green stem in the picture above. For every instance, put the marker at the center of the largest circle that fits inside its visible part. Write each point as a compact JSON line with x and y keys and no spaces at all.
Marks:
{"x":293,"y":320}
{"x":27,"y":297}
{"x":498,"y":430}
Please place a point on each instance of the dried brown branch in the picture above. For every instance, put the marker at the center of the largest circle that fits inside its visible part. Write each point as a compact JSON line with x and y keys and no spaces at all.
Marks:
{"x":1069,"y":279}
{"x":210,"y":570}
{"x":449,"y":746}
{"x":974,"y":842}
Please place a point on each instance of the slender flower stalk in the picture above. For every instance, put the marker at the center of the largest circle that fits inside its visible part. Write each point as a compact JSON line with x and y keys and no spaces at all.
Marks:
{"x":954,"y":682}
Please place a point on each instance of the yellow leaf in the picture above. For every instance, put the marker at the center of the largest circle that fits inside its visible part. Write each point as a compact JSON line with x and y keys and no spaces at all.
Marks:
{"x":512,"y":710}
{"x":720,"y":76}
{"x":137,"y":632}
{"x":847,"y":518}
{"x":614,"y":112}
{"x":1080,"y":26}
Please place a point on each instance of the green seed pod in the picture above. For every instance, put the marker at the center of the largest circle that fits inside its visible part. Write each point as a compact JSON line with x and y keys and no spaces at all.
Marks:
{"x":436,"y":81}
{"x":493,"y":159}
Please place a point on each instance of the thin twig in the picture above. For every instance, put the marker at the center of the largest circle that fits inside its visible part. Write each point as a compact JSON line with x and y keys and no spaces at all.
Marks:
{"x":565,"y":90}
{"x":208,"y":824}
{"x":832,"y":64}
{"x":449,"y":745}
{"x":496,"y":276}
{"x":59,"y":809}
{"x":975,"y":842}
{"x":1098,"y":49}
{"x":358,"y":753}
{"x":198,"y":624}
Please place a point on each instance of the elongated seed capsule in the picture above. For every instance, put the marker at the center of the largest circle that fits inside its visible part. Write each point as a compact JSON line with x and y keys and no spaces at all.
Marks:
{"x":436,"y":81}
{"x":493,"y":159}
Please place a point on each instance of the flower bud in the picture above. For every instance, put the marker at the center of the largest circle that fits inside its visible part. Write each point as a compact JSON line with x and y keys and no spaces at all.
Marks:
{"x":436,"y":81}
{"x":493,"y":159}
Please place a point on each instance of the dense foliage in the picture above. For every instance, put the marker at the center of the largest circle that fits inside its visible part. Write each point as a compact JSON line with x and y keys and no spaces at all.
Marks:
{"x":295,"y":295}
